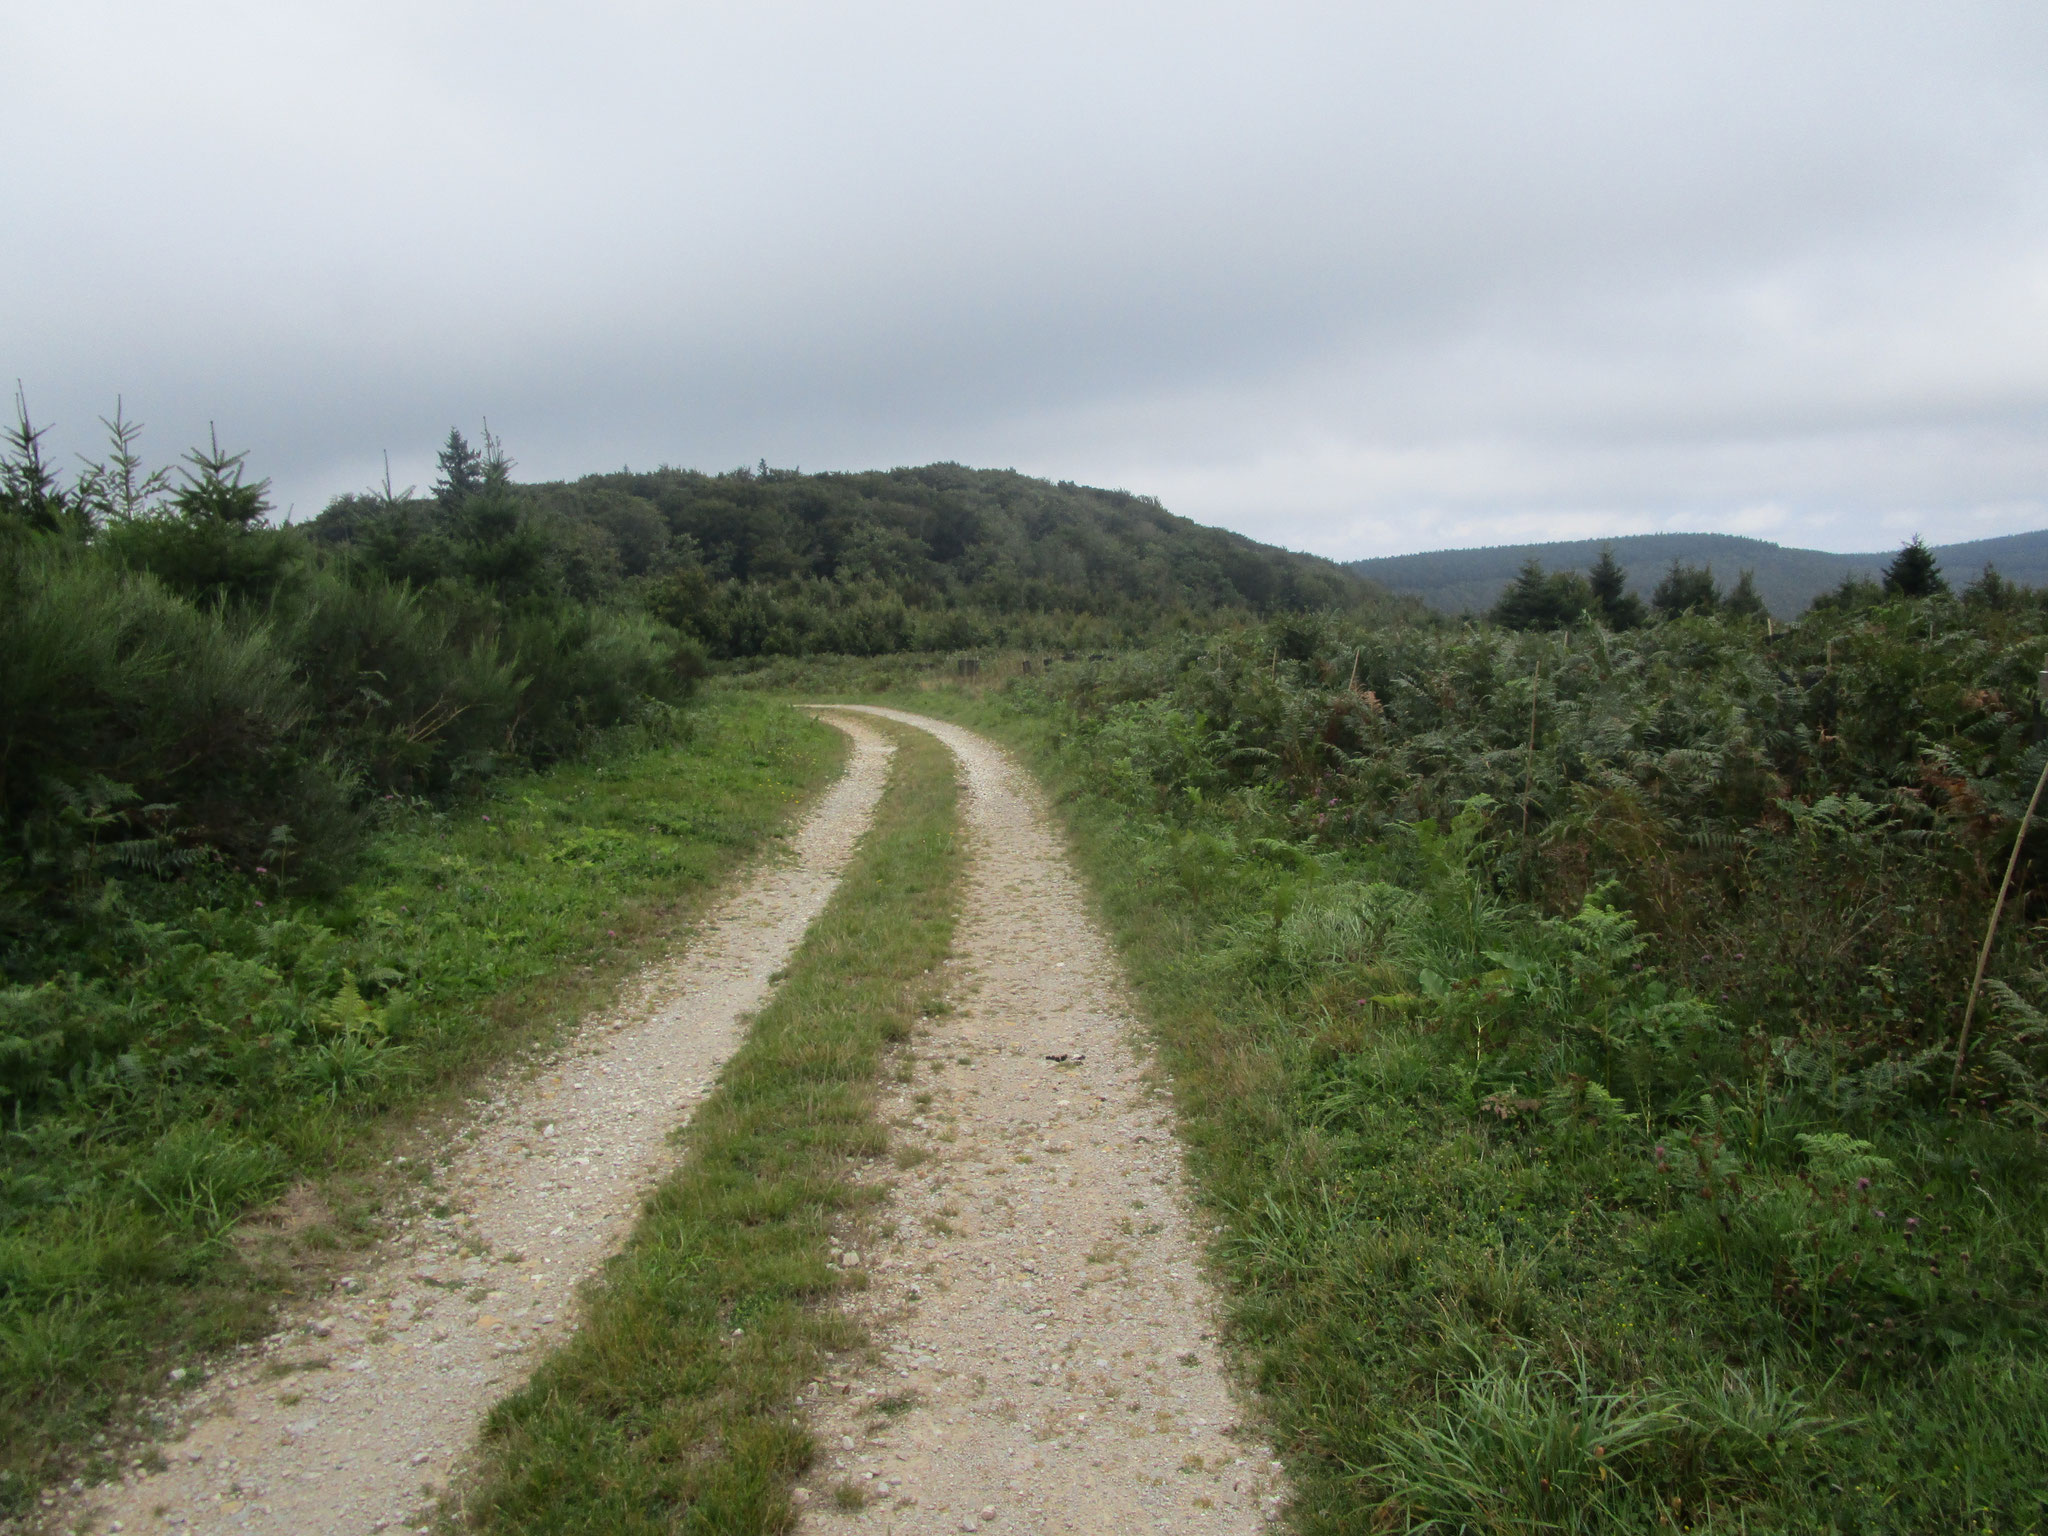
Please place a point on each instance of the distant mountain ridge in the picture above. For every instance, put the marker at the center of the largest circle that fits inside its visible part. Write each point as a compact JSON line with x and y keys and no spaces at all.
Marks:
{"x":1469,"y":580}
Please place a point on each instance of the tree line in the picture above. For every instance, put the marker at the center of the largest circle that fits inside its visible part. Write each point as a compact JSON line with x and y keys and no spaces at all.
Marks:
{"x":1542,"y":600}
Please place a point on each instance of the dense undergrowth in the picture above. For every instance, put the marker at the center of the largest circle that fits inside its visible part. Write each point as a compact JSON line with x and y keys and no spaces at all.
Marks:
{"x":1579,"y":1112}
{"x":225,"y":1037}
{"x":188,"y":688}
{"x":672,"y":1408}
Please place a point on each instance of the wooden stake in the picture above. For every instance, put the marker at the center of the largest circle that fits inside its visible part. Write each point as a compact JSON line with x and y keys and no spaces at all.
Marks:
{"x":1529,"y":779}
{"x":1991,"y":928}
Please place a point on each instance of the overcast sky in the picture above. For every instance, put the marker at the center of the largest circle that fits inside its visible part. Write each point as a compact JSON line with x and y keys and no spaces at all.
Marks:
{"x":1361,"y":279}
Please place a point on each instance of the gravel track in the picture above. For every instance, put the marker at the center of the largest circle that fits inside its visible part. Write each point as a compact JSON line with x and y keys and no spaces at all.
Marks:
{"x":352,"y":1418}
{"x":1047,"y":1335}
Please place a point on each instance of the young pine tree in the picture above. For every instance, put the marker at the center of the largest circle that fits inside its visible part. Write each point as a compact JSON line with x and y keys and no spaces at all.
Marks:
{"x":1537,"y":599}
{"x":117,"y":488}
{"x":1914,"y":572}
{"x":1993,"y":591}
{"x":1686,"y":589}
{"x":1618,"y":607}
{"x":1853,"y":593}
{"x":462,"y":472}
{"x":30,"y":495}
{"x":214,"y":491}
{"x":1742,"y":601}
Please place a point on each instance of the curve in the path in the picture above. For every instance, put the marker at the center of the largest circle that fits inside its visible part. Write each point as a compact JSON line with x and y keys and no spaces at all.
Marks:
{"x":350,"y":1423}
{"x":1047,"y":1335}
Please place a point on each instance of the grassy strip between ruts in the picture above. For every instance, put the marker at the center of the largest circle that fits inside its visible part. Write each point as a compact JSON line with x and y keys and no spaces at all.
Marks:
{"x":671,"y":1410}
{"x":302,"y":1040}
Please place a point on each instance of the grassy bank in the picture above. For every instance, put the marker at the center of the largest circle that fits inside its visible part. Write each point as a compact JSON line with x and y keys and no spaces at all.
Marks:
{"x":1522,"y":1234}
{"x":672,"y":1408}
{"x":245,"y":1042}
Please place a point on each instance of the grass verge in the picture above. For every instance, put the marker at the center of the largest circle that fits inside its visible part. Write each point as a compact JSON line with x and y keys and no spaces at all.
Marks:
{"x":249,"y":1042}
{"x":1522,"y":1236}
{"x":673,"y":1408}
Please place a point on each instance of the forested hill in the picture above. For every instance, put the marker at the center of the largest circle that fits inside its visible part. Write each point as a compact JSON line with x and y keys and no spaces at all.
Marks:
{"x":1470,"y":580}
{"x":777,"y":561}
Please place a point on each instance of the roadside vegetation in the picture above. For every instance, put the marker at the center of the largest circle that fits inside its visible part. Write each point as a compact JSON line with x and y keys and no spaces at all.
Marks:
{"x":1565,"y":1026}
{"x":676,"y":1406}
{"x":287,"y":844}
{"x":174,"y":1079}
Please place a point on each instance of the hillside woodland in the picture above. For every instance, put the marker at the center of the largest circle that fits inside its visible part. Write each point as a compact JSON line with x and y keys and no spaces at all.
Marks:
{"x":776,"y":562}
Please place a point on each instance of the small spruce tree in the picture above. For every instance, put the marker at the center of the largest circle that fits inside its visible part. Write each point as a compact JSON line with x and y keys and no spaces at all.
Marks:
{"x":118,"y":488}
{"x":1539,"y":599}
{"x":1853,"y":593}
{"x":29,"y":490}
{"x":1686,"y":589}
{"x":1742,"y":601}
{"x":462,"y":472}
{"x":1618,"y":607}
{"x":214,"y":491}
{"x":1993,"y":591}
{"x":1914,"y":572}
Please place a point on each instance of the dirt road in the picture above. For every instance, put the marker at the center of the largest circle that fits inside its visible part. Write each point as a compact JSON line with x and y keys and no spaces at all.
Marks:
{"x":1047,"y":1335}
{"x":1048,"y":1359}
{"x":350,"y":1420}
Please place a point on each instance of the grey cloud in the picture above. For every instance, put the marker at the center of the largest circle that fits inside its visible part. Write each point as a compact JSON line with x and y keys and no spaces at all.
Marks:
{"x":1357,"y":278}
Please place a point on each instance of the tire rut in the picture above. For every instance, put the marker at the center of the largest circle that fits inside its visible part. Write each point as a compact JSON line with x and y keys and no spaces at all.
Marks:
{"x":355,"y":1416}
{"x":1048,"y":1356}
